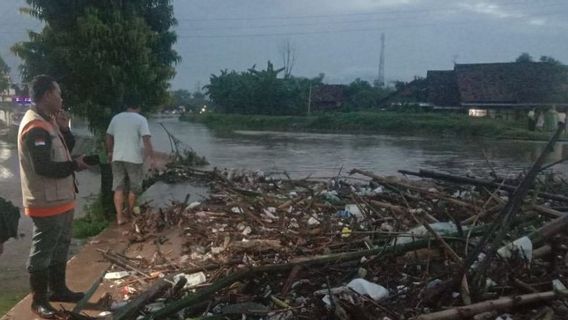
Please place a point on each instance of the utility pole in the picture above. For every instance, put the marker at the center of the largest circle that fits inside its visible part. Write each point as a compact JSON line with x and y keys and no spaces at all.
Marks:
{"x":310,"y":99}
{"x":381,"y":78}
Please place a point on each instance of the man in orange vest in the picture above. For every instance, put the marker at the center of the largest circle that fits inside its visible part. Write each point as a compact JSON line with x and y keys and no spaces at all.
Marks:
{"x":48,"y":191}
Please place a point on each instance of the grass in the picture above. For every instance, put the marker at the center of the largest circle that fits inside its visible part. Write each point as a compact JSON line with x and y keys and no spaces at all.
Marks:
{"x":9,"y":300}
{"x":93,"y":223}
{"x":387,"y":122}
{"x":86,"y":227}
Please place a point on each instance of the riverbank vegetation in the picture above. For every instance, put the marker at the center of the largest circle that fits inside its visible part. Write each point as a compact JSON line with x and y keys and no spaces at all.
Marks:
{"x":268,"y":100}
{"x":385,"y":122}
{"x":267,"y":92}
{"x":94,"y":222}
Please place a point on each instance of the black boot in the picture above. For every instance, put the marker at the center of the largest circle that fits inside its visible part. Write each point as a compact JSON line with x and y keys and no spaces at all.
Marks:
{"x":58,"y":288}
{"x":40,"y":305}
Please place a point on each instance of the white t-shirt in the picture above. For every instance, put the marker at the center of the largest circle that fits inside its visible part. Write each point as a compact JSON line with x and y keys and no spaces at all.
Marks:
{"x":128,"y":128}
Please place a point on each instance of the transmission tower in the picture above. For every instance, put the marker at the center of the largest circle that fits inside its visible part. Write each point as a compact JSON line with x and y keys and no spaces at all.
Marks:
{"x":381,"y":79}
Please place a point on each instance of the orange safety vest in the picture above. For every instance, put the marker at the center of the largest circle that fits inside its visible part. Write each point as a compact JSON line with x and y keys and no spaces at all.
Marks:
{"x":44,"y":196}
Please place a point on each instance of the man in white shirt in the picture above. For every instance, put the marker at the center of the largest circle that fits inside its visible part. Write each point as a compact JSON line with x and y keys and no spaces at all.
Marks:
{"x":128,"y":142}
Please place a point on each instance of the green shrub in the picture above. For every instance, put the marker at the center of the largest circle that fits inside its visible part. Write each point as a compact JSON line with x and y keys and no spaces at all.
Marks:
{"x":384,"y":122}
{"x":87,"y":227}
{"x":93,"y":223}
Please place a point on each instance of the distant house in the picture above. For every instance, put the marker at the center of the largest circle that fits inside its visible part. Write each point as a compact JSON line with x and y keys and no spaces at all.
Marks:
{"x":492,"y":88}
{"x":327,"y":97}
{"x":442,"y":88}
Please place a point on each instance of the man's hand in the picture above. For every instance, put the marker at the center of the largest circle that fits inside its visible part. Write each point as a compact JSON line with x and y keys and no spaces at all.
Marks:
{"x":81,"y":165}
{"x":62,"y":119}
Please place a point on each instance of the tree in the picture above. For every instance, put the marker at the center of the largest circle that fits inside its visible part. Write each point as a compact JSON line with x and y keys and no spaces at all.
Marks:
{"x":550,"y":60}
{"x":191,"y":101}
{"x":4,"y":73}
{"x":288,"y":54}
{"x":198,"y":95}
{"x":361,"y":95}
{"x":180,"y":97}
{"x":259,"y":92}
{"x":524,"y":57}
{"x":103,"y":53}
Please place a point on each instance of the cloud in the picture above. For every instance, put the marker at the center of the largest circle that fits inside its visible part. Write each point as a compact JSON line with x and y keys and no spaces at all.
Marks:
{"x":365,"y":5}
{"x":538,"y":21}
{"x":490,"y":9}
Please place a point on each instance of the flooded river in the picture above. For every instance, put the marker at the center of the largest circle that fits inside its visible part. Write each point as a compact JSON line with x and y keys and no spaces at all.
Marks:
{"x":299,"y":154}
{"x":320,"y":155}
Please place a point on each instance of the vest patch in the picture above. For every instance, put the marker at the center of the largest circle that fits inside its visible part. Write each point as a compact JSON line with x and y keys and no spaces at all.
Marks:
{"x":39,"y":142}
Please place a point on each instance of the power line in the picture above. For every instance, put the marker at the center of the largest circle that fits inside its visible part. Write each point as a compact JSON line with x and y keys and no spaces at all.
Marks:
{"x":375,"y":13}
{"x":289,"y":25}
{"x":300,"y":33}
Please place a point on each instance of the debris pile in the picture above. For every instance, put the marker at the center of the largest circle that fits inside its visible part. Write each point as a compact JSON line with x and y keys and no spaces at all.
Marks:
{"x":423,"y":246}
{"x":352,"y":247}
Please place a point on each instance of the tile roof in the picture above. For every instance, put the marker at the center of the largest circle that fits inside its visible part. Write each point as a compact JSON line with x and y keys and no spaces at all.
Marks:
{"x":514,"y":83}
{"x":443,"y":88}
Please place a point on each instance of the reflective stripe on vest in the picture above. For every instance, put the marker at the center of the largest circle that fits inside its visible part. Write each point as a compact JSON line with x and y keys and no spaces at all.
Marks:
{"x":48,"y":212}
{"x":35,"y":124}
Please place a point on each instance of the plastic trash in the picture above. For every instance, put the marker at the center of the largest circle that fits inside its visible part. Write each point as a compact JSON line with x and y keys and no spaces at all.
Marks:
{"x":247,"y":231}
{"x":270,"y":213}
{"x":193,"y":279}
{"x":360,"y":286}
{"x":385,"y":226}
{"x":117,"y":275}
{"x":193,"y":205}
{"x":293,"y":224}
{"x":313,"y":221}
{"x":345,"y":232}
{"x":343,"y":214}
{"x":557,"y":285}
{"x":364,"y":287}
{"x":522,"y":246}
{"x":332,"y":197}
{"x":489,"y":283}
{"x":441,"y":228}
{"x":354,"y":209}
{"x":237,"y":210}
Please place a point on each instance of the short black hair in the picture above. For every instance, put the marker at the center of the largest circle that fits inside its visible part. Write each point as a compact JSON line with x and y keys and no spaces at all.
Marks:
{"x":132,"y":100}
{"x":41,"y":84}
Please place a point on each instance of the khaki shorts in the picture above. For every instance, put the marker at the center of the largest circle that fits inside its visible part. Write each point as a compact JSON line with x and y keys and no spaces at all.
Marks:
{"x":127,"y":174}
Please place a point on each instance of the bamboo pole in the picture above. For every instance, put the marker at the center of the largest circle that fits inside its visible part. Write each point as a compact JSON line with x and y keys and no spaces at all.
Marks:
{"x":206,"y":293}
{"x":501,"y":304}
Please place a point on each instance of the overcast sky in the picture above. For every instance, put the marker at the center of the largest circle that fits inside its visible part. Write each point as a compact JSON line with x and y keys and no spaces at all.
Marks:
{"x":341,"y":38}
